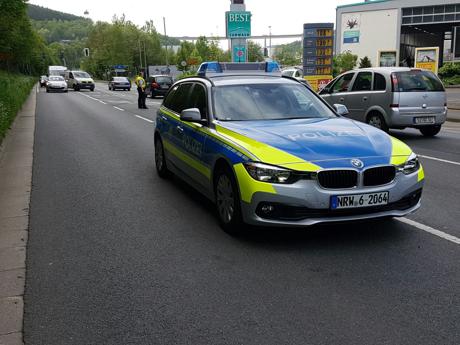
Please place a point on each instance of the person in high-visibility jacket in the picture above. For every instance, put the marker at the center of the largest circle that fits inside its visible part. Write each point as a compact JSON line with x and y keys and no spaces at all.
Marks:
{"x":141,"y":84}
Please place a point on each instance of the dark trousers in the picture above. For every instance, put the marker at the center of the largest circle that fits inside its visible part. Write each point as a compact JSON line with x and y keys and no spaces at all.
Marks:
{"x":141,"y":98}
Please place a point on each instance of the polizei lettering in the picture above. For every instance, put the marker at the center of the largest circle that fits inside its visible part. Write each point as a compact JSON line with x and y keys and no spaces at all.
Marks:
{"x":323,"y":134}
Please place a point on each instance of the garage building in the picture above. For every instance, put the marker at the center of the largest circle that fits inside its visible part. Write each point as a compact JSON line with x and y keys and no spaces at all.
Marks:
{"x":399,"y":25}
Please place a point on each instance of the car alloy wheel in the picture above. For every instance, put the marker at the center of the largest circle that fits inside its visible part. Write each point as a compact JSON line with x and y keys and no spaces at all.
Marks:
{"x":225,"y":199}
{"x":160,"y":161}
{"x":377,"y":121}
{"x":228,"y":202}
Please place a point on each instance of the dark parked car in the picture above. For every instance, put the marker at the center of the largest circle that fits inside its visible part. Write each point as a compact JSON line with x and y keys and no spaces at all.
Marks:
{"x":158,"y":85}
{"x":43,"y":80}
{"x":119,"y":83}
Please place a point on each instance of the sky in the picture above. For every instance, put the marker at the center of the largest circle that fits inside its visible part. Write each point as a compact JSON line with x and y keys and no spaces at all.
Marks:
{"x":204,"y":17}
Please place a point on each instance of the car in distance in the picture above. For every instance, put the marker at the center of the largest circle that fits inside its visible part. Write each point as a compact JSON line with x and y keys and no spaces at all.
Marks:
{"x":158,"y":85}
{"x":391,"y":97}
{"x":122,"y":83}
{"x":78,"y":80}
{"x":43,"y":80}
{"x":295,"y":72}
{"x":56,"y":83}
{"x":268,"y":151}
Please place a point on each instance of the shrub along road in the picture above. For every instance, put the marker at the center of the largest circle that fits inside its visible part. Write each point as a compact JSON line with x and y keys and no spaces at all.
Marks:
{"x":118,"y":256}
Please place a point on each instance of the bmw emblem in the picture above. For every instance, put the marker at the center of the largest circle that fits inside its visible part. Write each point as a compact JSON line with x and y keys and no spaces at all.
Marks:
{"x":357,"y":163}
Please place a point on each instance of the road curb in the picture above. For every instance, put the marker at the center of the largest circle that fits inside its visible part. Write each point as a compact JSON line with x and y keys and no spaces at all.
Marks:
{"x":16,"y":156}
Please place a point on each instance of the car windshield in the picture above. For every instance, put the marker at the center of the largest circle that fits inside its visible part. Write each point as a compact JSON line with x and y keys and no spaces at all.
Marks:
{"x":56,"y":78}
{"x":267,"y":102}
{"x":81,"y":75}
{"x":120,"y":79}
{"x":415,"y":80}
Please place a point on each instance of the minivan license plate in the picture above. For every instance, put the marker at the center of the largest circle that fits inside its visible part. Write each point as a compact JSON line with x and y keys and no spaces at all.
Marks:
{"x":359,"y":200}
{"x":430,"y":120}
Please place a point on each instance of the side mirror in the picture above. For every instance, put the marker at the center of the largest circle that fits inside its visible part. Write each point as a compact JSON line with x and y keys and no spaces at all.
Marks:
{"x":341,"y":109}
{"x":191,"y":115}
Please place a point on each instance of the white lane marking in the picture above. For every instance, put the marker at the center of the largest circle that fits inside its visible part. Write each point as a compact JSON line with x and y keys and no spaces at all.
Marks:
{"x":430,"y":230}
{"x":119,"y":108}
{"x":439,"y":160}
{"x":88,"y":96}
{"x":101,"y":101}
{"x":143,"y":118}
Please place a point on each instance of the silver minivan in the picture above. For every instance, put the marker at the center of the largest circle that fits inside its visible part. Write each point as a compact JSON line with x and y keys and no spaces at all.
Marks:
{"x":391,"y":97}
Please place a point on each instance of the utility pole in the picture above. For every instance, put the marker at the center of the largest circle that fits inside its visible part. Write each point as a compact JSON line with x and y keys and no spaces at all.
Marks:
{"x":270,"y":41}
{"x":166,"y":42}
{"x":145,"y":61}
{"x":140,"y":55}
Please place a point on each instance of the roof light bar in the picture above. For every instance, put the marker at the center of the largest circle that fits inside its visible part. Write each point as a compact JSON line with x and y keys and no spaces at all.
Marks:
{"x":214,"y":68}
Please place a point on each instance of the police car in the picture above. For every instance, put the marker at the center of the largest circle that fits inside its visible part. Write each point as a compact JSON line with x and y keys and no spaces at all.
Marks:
{"x":269,"y":151}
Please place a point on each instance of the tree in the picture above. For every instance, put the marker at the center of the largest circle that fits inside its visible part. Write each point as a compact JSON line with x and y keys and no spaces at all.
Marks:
{"x":289,"y":54}
{"x":365,"y":62}
{"x":255,"y":52}
{"x":344,"y":62}
{"x":21,"y":48}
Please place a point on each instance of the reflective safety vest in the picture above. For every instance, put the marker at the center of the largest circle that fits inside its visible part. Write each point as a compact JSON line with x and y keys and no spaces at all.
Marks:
{"x":140,"y":82}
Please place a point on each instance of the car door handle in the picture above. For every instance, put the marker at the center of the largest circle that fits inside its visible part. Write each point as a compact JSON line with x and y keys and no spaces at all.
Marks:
{"x":364,"y":98}
{"x":179,"y":129}
{"x":341,"y":99}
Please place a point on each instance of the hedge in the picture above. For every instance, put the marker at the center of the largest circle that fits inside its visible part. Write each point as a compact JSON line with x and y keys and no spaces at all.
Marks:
{"x":14,"y":90}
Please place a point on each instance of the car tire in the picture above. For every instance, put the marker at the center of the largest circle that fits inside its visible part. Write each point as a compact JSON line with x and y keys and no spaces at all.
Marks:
{"x":129,"y":89}
{"x":377,"y":120}
{"x":152,"y":96}
{"x":76,"y":88}
{"x":430,"y":131}
{"x":160,"y":159}
{"x":66,"y":91}
{"x":227,"y":200}
{"x":110,"y":89}
{"x":47,"y":90}
{"x":92,"y":89}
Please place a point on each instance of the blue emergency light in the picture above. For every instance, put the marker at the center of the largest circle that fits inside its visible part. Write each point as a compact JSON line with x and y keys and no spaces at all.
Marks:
{"x":215,"y":68}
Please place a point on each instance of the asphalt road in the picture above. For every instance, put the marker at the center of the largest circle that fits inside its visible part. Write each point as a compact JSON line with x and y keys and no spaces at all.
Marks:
{"x":118,"y":256}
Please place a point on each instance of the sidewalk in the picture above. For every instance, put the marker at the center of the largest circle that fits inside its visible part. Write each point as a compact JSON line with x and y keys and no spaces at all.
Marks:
{"x":16,"y":155}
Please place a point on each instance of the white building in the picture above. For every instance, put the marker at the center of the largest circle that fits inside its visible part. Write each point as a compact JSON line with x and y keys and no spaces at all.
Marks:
{"x":398,"y":25}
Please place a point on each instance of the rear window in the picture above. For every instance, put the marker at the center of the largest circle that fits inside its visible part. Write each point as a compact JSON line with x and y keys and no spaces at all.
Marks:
{"x":417,"y":81}
{"x":163,"y":80}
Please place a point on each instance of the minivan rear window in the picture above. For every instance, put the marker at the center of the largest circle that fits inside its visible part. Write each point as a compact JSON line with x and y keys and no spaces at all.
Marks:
{"x":416,"y":81}
{"x":164,"y":80}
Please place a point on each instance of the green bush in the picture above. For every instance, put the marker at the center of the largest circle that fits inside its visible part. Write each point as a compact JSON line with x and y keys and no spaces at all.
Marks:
{"x":449,"y":69}
{"x":343,"y":62}
{"x":14,"y":90}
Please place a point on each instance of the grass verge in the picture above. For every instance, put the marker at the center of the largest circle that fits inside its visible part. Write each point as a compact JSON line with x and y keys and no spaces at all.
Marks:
{"x":14,"y":90}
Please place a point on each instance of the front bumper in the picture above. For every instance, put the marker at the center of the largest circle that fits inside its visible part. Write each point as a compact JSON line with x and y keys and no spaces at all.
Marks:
{"x":85,"y":85}
{"x":403,"y":119}
{"x":306,"y":203}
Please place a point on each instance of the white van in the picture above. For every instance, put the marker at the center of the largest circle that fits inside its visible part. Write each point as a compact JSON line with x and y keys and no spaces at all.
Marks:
{"x":78,"y":80}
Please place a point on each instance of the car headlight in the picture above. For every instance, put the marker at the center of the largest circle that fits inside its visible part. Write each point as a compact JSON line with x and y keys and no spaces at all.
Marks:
{"x":411,"y":165}
{"x":268,"y":173}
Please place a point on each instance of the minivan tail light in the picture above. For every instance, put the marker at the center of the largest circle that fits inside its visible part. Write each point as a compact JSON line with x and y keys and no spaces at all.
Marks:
{"x":394,"y":82}
{"x":155,"y":85}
